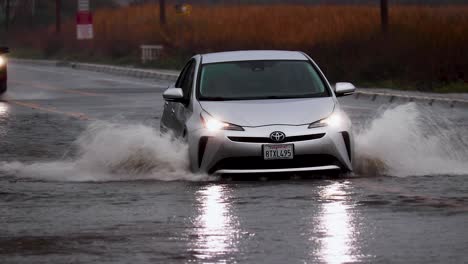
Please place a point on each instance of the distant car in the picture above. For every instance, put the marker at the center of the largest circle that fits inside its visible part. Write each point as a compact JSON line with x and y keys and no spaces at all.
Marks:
{"x":3,"y":69}
{"x":259,"y":112}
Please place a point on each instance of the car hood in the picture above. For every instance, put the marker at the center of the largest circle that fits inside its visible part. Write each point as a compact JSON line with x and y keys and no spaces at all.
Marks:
{"x":270,"y":112}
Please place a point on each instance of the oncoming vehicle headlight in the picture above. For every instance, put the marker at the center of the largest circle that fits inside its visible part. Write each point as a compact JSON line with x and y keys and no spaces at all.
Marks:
{"x":2,"y":61}
{"x":213,"y":124}
{"x":335,"y":120}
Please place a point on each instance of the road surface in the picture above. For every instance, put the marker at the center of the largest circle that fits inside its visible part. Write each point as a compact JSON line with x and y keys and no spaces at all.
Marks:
{"x":85,"y":178}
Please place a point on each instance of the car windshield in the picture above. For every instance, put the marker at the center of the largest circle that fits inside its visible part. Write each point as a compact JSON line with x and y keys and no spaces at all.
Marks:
{"x":249,"y":80}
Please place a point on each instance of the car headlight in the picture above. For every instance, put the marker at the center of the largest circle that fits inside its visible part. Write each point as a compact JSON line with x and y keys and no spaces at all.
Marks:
{"x":2,"y":61}
{"x":335,"y":120}
{"x":213,"y":124}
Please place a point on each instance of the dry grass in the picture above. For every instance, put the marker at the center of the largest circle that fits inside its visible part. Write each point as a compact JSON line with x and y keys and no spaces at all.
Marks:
{"x":221,"y":28}
{"x":425,"y":44}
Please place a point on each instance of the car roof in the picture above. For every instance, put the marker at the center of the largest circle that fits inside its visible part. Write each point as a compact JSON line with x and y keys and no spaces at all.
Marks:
{"x":250,"y":55}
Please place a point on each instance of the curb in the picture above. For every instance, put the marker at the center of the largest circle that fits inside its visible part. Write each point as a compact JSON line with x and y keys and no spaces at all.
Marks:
{"x":401,"y":98}
{"x":173,"y":75}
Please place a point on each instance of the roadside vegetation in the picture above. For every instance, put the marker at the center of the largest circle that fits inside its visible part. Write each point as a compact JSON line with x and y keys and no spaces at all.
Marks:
{"x":425,"y":48}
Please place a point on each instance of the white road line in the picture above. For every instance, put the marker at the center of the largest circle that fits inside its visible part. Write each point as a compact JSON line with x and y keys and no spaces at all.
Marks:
{"x":81,"y":75}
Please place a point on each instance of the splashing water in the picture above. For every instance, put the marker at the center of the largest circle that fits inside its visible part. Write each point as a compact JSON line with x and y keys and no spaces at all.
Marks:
{"x":115,"y":152}
{"x":409,"y":141}
{"x":401,"y":141}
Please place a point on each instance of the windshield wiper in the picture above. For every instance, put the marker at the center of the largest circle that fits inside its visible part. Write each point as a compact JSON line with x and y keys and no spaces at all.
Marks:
{"x":214,"y":98}
{"x":281,"y":97}
{"x":276,"y":97}
{"x":294,"y":96}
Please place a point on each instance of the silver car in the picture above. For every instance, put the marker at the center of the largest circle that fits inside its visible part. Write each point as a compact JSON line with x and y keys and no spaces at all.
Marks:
{"x":259,"y":112}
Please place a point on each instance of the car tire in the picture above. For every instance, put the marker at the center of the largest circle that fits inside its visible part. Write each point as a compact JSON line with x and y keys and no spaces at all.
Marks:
{"x":3,"y":87}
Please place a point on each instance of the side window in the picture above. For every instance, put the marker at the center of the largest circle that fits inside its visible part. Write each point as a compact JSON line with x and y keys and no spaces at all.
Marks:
{"x":187,"y":80}
{"x":182,"y":75}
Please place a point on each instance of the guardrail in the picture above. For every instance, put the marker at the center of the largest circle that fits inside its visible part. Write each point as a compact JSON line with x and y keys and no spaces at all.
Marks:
{"x":394,"y":98}
{"x":110,"y":69}
{"x":125,"y":71}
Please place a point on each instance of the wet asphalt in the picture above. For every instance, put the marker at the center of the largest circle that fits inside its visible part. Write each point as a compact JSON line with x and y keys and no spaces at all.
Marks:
{"x":363,"y":218}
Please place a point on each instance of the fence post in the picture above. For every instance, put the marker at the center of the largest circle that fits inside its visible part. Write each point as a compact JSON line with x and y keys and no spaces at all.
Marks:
{"x":162,"y":11}
{"x":384,"y":15}
{"x":58,"y":11}
{"x":7,"y":15}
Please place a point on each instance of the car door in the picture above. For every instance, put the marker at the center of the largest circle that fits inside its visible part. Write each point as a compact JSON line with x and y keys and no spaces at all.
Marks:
{"x":169,"y":122}
{"x":184,"y":110}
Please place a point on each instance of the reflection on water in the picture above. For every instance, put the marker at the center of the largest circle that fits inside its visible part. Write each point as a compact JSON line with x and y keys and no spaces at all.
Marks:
{"x":337,"y":223}
{"x":216,"y":226}
{"x":4,"y":112}
{"x":4,"y":109}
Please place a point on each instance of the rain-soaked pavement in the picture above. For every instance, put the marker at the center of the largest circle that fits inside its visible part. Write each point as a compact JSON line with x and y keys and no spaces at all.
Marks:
{"x":84,"y":177}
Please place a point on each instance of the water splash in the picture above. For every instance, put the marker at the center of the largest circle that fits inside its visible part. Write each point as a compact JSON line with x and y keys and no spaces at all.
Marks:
{"x":410,"y":141}
{"x":400,"y":141}
{"x":115,"y":152}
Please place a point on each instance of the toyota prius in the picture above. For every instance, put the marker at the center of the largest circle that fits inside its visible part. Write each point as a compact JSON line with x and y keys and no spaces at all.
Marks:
{"x":259,"y":112}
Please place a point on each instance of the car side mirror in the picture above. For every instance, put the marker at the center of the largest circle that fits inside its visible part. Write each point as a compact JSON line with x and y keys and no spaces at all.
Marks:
{"x":174,"y":95}
{"x":4,"y":50}
{"x":344,"y":88}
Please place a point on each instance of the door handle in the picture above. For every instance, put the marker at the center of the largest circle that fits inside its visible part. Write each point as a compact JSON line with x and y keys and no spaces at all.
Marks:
{"x":173,"y":110}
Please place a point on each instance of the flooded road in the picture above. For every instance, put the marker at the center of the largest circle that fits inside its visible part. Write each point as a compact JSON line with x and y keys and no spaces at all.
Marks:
{"x":85,"y":177}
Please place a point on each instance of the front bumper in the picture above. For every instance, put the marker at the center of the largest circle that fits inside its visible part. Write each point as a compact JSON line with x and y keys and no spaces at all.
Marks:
{"x":236,"y":152}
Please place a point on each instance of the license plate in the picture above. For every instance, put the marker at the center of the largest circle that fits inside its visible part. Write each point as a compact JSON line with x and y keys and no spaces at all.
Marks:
{"x":275,"y":152}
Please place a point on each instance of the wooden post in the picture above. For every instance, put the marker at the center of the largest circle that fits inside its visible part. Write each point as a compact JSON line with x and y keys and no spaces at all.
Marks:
{"x":58,"y":10}
{"x":33,"y":12}
{"x":162,"y":12}
{"x":384,"y":15}
{"x":33,"y":8}
{"x":7,"y":15}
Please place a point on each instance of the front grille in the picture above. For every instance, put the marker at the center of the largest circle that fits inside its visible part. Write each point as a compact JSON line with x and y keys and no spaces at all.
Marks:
{"x":268,"y":140}
{"x":258,"y":163}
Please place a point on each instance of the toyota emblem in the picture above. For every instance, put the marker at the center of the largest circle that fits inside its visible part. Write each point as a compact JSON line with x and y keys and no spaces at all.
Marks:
{"x":277,"y":136}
